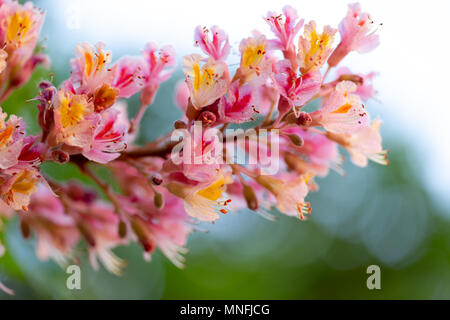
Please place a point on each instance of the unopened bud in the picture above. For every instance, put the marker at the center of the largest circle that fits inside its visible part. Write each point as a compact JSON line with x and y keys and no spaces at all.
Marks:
{"x":122,"y":229}
{"x":250,"y":198}
{"x":191,"y":112}
{"x":207,"y":118}
{"x":156,"y":179}
{"x":358,"y":80}
{"x":147,"y":245}
{"x":86,"y":233}
{"x":25,"y":229}
{"x":296,"y":140}
{"x":304,"y":119}
{"x":158,"y":200}
{"x":60,"y":156}
{"x":179,"y":125}
{"x":283,"y":105}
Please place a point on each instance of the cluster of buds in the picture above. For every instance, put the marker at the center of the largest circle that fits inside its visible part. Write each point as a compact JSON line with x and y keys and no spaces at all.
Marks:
{"x":159,"y":200}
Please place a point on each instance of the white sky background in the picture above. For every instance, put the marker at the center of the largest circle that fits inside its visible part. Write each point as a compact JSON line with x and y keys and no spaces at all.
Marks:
{"x":412,"y":60}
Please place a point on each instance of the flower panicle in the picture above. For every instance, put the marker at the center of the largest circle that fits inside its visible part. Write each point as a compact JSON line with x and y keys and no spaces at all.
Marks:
{"x":85,"y":121}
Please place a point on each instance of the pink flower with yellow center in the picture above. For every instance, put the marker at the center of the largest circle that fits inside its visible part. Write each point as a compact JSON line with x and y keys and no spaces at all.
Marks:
{"x":290,"y":193}
{"x":343,"y":112}
{"x":20,"y":25}
{"x":255,"y":65}
{"x":17,"y":186}
{"x":207,"y":82}
{"x":12,"y":133}
{"x":90,"y":68}
{"x":204,"y":201}
{"x":74,"y":118}
{"x":313,"y":48}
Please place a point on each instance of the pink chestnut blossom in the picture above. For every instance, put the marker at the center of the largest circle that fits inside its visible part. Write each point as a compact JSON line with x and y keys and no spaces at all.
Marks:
{"x":110,"y":136}
{"x":17,"y":184}
{"x":298,"y":90}
{"x":365,"y":145}
{"x":56,"y":231}
{"x":12,"y":134}
{"x":357,"y":34}
{"x":285,"y":27}
{"x":74,"y":120}
{"x":364,"y":89}
{"x":237,"y":107}
{"x":157,"y":69}
{"x":343,"y":111}
{"x":90,"y":69}
{"x":316,"y":155}
{"x":207,"y":82}
{"x":206,"y":200}
{"x":20,"y":26}
{"x":256,"y":66}
{"x":217,"y":47}
{"x":101,"y":225}
{"x":289,"y":191}
{"x":166,"y":229}
{"x":182,"y":95}
{"x":129,"y":76}
{"x":314,"y":49}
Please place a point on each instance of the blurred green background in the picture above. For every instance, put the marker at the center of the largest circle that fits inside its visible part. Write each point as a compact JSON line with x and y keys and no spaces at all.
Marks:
{"x":379,"y":215}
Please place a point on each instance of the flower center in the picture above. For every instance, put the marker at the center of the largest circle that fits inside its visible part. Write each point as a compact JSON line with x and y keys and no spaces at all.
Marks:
{"x":214,"y":191}
{"x":25,"y":183}
{"x":343,"y":109}
{"x":253,"y":55}
{"x":72,"y":112}
{"x":94,"y":63}
{"x":202,"y":77}
{"x":6,"y":136}
{"x":19,"y":24}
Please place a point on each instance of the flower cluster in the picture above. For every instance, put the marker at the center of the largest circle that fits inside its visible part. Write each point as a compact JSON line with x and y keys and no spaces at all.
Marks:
{"x":85,"y":122}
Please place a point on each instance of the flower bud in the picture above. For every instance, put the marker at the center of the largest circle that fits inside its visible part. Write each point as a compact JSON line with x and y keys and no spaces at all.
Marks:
{"x":87,"y":234}
{"x":304,"y":119}
{"x":179,"y":125}
{"x":60,"y":156}
{"x":283,"y":105}
{"x":250,"y":198}
{"x":105,"y":97}
{"x":25,"y":229}
{"x":207,"y":118}
{"x":122,"y":229}
{"x":296,"y":140}
{"x":191,"y":112}
{"x":358,"y":80}
{"x":158,"y":200}
{"x":156,"y":179}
